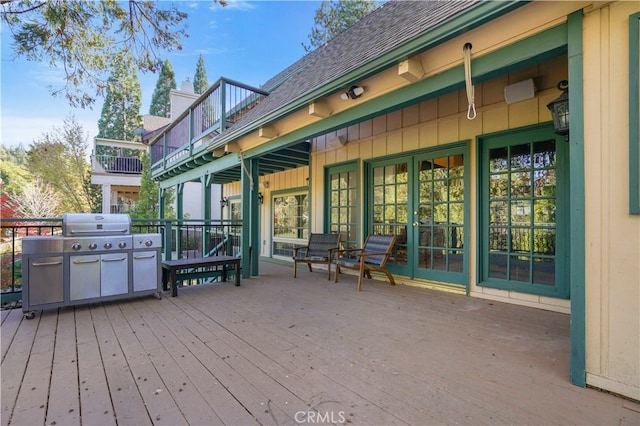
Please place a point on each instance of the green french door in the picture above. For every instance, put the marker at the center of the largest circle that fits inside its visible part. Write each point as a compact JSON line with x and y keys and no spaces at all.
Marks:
{"x":524,"y":212}
{"x":439,"y":217}
{"x":422,"y":200}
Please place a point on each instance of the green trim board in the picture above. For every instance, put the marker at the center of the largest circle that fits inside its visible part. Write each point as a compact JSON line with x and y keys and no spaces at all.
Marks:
{"x":577,"y":264}
{"x":634,"y":114}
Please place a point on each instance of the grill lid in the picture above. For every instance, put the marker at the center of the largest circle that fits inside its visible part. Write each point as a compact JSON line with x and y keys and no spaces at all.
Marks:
{"x":95,"y":224}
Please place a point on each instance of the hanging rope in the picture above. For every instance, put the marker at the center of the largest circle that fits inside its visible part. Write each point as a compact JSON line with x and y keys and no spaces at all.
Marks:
{"x":244,"y":168}
{"x":471,"y":110}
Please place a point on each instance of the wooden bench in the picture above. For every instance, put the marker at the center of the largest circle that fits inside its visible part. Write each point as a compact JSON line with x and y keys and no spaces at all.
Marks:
{"x":174,"y":270}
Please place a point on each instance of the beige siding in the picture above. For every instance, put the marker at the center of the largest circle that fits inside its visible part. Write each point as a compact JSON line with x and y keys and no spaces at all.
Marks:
{"x":612,"y":235}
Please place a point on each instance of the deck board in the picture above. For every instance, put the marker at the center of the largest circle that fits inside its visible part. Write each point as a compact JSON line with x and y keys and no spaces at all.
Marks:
{"x":31,"y":404}
{"x":95,"y":399}
{"x":176,"y":365}
{"x":279,"y":348}
{"x":125,"y":394}
{"x":64,"y":404}
{"x":162,"y":408}
{"x":11,"y":321}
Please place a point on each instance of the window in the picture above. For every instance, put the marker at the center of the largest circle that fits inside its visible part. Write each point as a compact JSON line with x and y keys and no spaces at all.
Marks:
{"x":290,"y":223}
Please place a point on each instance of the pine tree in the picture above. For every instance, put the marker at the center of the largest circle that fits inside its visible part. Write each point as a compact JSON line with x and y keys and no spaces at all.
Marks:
{"x":200,"y":83}
{"x":161,"y":100}
{"x":121,"y":110}
{"x":148,"y":203}
{"x":333,"y":17}
{"x":147,"y":206}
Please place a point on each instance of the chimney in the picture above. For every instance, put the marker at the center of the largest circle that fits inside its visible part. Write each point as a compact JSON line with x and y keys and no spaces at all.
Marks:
{"x":186,"y":86}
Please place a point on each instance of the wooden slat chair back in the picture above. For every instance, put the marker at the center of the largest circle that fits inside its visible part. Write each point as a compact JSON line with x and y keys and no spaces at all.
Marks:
{"x":372,"y":256}
{"x":319,"y":249}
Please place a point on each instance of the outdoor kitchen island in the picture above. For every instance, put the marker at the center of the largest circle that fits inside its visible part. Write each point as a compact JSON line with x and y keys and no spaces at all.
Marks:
{"x":96,"y":259}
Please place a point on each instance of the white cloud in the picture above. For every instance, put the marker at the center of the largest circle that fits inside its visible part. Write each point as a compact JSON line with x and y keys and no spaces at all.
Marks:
{"x":47,"y":75}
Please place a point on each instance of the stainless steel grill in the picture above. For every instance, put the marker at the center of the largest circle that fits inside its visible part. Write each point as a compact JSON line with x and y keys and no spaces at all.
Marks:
{"x":98,"y":259}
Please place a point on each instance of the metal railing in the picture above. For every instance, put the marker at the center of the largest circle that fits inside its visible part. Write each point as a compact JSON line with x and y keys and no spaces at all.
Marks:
{"x":181,"y":239}
{"x":223,"y":104}
{"x":122,"y":165}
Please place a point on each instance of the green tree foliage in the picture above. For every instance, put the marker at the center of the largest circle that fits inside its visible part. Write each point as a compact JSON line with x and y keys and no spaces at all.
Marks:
{"x":60,"y":159}
{"x":86,"y":39}
{"x":149,"y":197}
{"x":121,"y":110}
{"x":13,"y":170}
{"x":160,"y":100}
{"x":200,"y":83}
{"x":333,"y":17}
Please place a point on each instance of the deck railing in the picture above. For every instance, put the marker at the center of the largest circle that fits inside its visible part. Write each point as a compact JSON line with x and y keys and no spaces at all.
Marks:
{"x":122,"y":165}
{"x":181,"y":239}
{"x":217,"y":109}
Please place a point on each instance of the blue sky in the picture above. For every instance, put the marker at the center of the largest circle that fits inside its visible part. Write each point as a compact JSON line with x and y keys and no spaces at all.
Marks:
{"x":247,"y":41}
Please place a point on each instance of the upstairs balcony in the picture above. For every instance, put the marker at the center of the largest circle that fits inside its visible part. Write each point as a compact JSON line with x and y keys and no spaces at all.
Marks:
{"x":116,"y":157}
{"x":116,"y":166}
{"x":216,"y":110}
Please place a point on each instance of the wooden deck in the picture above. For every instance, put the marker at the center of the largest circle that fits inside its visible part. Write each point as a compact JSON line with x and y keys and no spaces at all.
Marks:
{"x":279,"y":350}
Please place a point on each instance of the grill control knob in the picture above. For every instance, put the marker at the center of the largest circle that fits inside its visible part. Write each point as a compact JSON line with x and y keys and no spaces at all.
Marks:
{"x":107,"y":245}
{"x":92,"y":246}
{"x":148,"y":243}
{"x":122,"y":244}
{"x":76,"y":246}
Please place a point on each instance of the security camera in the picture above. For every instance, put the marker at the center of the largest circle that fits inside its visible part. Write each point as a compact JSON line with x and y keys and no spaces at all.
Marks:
{"x":354,"y":92}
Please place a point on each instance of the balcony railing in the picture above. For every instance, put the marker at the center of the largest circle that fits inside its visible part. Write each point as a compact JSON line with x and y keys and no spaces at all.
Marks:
{"x":217,"y":109}
{"x":181,"y":239}
{"x":123,"y":165}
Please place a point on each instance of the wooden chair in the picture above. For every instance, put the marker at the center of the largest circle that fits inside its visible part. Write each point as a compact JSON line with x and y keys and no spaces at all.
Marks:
{"x":372,"y":256}
{"x":319,"y":249}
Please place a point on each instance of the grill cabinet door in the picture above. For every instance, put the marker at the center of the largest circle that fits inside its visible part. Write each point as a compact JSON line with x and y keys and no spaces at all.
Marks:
{"x":45,"y":280}
{"x":84,"y":276}
{"x":114,"y":274}
{"x":145,"y":270}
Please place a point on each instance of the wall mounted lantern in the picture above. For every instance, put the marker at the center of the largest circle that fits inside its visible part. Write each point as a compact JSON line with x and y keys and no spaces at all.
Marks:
{"x":223,"y":202}
{"x":260,"y":198}
{"x":560,"y":110}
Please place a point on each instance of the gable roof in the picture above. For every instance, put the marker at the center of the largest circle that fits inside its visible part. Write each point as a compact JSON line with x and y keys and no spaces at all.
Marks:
{"x":382,"y":31}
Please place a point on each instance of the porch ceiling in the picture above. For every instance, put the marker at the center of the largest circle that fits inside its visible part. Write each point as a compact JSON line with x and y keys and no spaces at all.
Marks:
{"x":279,"y":160}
